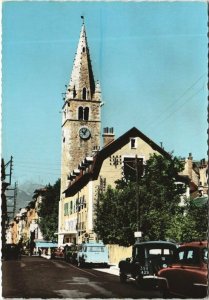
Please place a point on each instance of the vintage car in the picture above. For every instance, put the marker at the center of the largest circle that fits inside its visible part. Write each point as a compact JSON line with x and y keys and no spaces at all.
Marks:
{"x":71,"y":253}
{"x":92,"y":253}
{"x":57,"y":253}
{"x":11,"y":251}
{"x":187,"y":276}
{"x":147,"y":259}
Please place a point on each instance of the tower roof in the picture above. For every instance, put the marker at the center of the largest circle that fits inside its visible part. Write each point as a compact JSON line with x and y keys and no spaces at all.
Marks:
{"x":82,"y":84}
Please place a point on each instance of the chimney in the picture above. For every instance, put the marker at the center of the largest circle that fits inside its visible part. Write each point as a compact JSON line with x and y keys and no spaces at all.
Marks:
{"x":108,"y":136}
{"x":190,"y":165}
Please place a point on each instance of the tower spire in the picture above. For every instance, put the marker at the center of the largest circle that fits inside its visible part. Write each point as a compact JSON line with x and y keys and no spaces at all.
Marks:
{"x":82,"y":83}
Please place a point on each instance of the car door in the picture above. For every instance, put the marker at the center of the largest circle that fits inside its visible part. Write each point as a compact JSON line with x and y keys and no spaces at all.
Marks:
{"x":175,"y":273}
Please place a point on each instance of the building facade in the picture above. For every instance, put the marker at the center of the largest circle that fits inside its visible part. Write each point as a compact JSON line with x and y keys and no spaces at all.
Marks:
{"x":98,"y":171}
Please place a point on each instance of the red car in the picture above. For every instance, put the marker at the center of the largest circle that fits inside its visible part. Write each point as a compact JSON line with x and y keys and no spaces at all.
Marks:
{"x":187,"y":276}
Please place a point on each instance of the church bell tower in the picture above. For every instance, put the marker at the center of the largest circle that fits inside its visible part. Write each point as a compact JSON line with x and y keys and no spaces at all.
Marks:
{"x":81,"y":113}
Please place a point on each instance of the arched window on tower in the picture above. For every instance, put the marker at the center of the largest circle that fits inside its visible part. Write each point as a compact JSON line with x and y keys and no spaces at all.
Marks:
{"x":74,"y":92}
{"x":84,"y":49}
{"x":83,"y":113}
{"x":84,"y":94}
{"x":86,"y":113}
{"x":80,"y":113}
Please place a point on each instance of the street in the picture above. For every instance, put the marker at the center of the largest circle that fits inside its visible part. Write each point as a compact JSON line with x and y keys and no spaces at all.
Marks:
{"x":37,"y":277}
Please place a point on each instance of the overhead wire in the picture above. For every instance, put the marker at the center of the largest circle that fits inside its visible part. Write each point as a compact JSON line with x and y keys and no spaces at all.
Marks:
{"x":175,"y":102}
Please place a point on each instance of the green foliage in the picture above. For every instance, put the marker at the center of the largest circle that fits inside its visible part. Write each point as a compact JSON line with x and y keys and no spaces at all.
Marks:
{"x":49,"y":211}
{"x":190,"y":224}
{"x":158,"y":202}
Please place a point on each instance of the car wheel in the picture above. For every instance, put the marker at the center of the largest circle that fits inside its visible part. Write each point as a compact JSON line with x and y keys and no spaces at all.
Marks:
{"x":123,"y":278}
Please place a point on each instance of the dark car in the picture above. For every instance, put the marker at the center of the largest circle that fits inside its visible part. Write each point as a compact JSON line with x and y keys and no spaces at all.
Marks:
{"x":71,"y":254}
{"x":188,"y":275}
{"x":147,"y":259}
{"x":11,"y":251}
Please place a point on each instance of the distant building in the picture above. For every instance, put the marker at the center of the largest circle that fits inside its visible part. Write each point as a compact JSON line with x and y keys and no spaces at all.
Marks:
{"x":25,"y":223}
{"x":197,"y":174}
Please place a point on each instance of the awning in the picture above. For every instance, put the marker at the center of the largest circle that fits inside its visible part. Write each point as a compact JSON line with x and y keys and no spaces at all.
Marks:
{"x":46,"y":245}
{"x":200,"y":201}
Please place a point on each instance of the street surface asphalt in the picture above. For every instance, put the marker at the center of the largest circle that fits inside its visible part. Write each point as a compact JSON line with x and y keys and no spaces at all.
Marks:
{"x":41,"y":278}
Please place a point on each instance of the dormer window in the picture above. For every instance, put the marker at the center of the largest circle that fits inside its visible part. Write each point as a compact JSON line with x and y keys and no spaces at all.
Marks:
{"x":84,"y":49}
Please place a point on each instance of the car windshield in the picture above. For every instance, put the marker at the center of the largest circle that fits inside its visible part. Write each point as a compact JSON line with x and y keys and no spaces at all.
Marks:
{"x":141,"y":252}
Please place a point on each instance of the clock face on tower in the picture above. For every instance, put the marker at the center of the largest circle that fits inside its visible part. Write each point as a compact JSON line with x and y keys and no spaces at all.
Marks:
{"x":84,"y":133}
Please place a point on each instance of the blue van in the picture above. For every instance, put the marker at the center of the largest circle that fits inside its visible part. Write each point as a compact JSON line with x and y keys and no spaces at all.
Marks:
{"x":92,"y":253}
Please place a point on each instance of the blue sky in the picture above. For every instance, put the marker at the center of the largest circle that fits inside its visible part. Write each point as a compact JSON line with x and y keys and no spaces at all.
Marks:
{"x":150,"y":59}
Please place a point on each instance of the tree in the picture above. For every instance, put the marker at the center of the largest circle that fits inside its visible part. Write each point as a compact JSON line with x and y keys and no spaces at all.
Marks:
{"x":49,"y":211}
{"x":158,"y":201}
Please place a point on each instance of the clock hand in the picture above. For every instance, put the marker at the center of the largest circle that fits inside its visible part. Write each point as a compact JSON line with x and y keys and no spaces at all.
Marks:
{"x":84,"y":130}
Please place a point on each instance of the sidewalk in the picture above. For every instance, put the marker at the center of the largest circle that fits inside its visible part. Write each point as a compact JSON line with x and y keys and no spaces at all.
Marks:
{"x":113,"y":269}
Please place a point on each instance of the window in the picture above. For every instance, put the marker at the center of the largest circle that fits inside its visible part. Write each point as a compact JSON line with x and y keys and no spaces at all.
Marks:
{"x":71,"y":207}
{"x":74,"y":92}
{"x":86,"y":113}
{"x":83,"y":113}
{"x":65,"y":209}
{"x":133,"y":143}
{"x":205,"y":255}
{"x":95,"y":249}
{"x":84,"y":49}
{"x":84,"y":94}
{"x":129,"y":167}
{"x":80,"y":113}
{"x":191,"y":257}
{"x":155,"y":251}
{"x":188,"y":256}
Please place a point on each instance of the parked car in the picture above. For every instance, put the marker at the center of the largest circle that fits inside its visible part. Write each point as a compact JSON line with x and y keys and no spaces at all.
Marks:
{"x":92,"y":253}
{"x":147,"y":259}
{"x":71,"y":253}
{"x":11,"y":251}
{"x":188,"y":275}
{"x":57,"y":253}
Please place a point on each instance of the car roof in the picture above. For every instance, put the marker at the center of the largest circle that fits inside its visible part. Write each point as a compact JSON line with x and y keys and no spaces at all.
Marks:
{"x":167,"y":243}
{"x":199,"y":244}
{"x":92,"y":244}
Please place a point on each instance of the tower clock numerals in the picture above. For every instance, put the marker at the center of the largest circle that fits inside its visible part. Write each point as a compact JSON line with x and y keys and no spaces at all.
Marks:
{"x":84,"y":133}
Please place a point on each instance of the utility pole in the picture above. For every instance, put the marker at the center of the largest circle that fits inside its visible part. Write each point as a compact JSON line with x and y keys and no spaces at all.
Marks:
{"x":4,"y":186}
{"x":14,"y":198}
{"x":137,"y":193}
{"x":138,"y":233}
{"x":134,"y":165}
